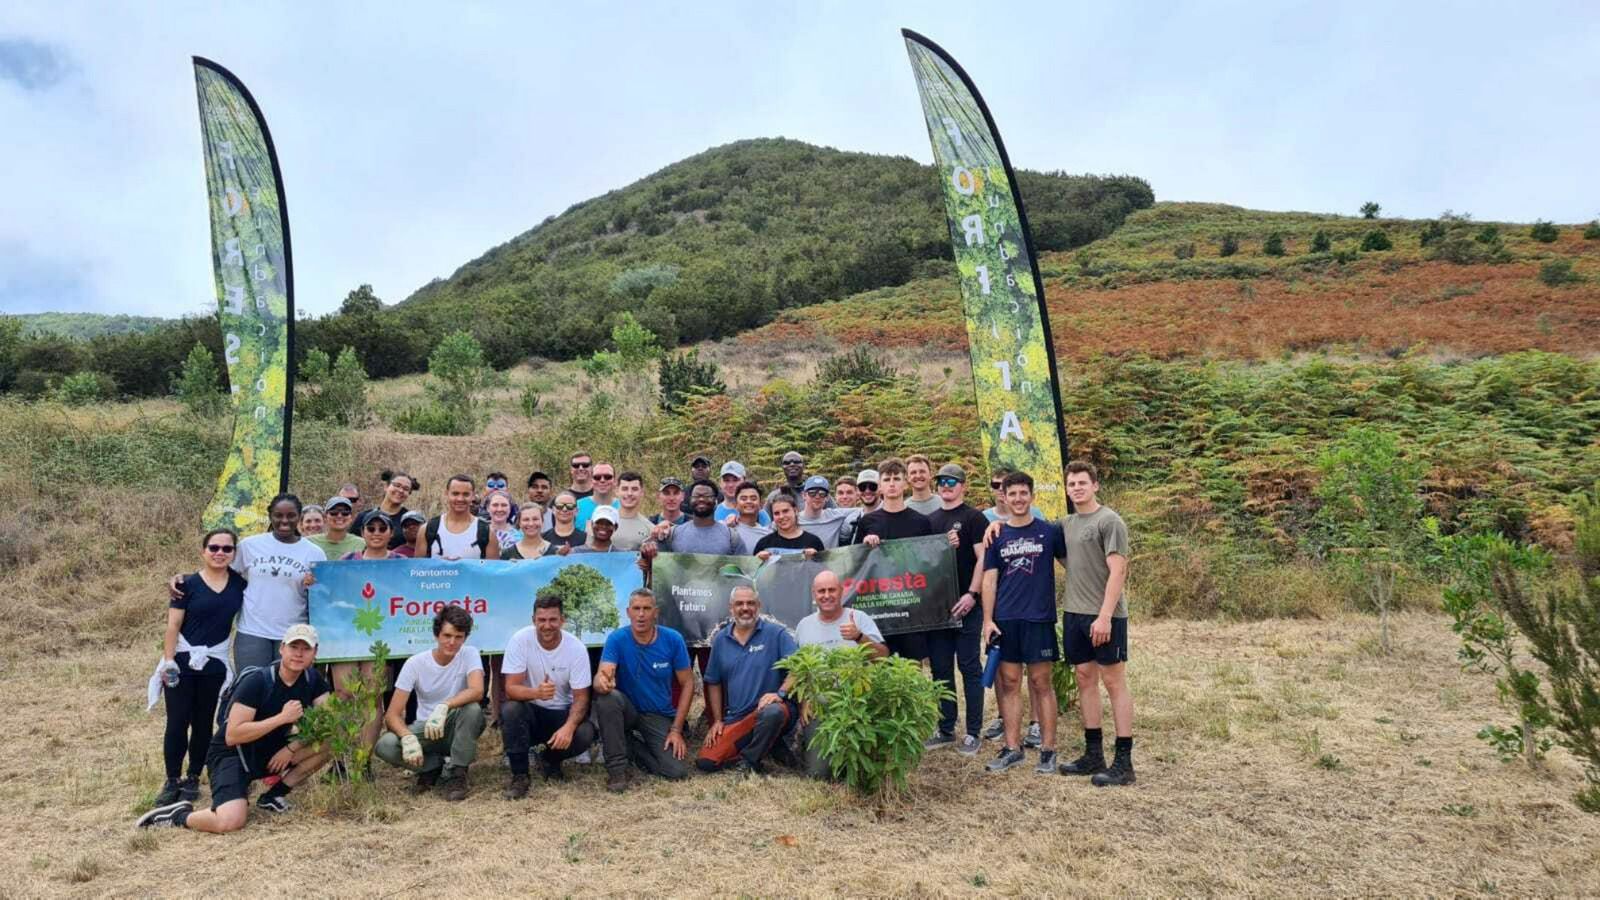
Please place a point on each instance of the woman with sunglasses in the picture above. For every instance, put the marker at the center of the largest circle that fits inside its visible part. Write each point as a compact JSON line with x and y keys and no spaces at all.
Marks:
{"x":532,"y":544}
{"x":194,"y":665}
{"x":373,"y":527}
{"x":311,"y":521}
{"x":397,"y":488}
{"x":565,"y":533}
{"x":500,"y":509}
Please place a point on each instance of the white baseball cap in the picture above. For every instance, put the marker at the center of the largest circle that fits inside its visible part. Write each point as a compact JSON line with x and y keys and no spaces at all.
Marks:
{"x":301,"y":632}
{"x":604,"y":514}
{"x":867,"y":475}
{"x":733,"y":467}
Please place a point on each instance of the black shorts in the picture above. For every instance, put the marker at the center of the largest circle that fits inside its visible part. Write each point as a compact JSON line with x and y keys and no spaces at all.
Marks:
{"x":912,"y":645}
{"x":1078,"y":647}
{"x":1027,"y":642}
{"x":229,"y":778}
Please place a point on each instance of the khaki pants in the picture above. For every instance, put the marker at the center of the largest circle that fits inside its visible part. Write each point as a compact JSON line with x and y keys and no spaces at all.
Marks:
{"x":460,"y":742}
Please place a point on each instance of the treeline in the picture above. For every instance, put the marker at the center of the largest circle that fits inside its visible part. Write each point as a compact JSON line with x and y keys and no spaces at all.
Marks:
{"x":705,"y":248}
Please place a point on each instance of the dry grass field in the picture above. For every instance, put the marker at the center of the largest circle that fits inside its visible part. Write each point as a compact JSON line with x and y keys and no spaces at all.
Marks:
{"x":1276,"y":758}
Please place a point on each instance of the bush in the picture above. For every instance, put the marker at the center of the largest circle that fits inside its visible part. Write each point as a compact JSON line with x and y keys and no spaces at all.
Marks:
{"x":1370,"y":210}
{"x":683,"y":375}
{"x":1592,"y":233}
{"x":1488,"y":234}
{"x":1376,"y":240}
{"x":459,"y":378}
{"x":857,"y":367}
{"x":1432,"y":233}
{"x":1544,"y":232}
{"x":197,"y":387}
{"x":528,"y":401}
{"x":872,"y":714}
{"x":1320,"y":242}
{"x":1228,"y":246}
{"x":336,"y":724}
{"x":333,"y":393}
{"x":10,"y":343}
{"x":431,"y":417}
{"x":1273,"y":245}
{"x":1558,"y":272}
{"x":1184,"y":250}
{"x":81,"y":388}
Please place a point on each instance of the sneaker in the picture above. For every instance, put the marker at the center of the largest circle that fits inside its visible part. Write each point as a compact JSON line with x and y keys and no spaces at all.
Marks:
{"x":169,"y":793}
{"x":969,"y":745}
{"x":617,"y":780}
{"x":275,"y":803}
{"x":1118,"y":775}
{"x":1007,"y":758}
{"x":939,"y":739}
{"x":1034,"y":737}
{"x":163,"y":816}
{"x":1092,"y":762}
{"x":189,"y":789}
{"x":516,"y":788}
{"x":995,"y":731}
{"x":745,"y":769}
{"x":425,"y":782}
{"x":586,"y":757}
{"x":454,"y":787}
{"x":1047,"y":763}
{"x":551,"y":769}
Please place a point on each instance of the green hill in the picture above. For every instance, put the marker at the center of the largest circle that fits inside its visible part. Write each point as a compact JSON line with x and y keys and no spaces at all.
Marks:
{"x":83,"y":326}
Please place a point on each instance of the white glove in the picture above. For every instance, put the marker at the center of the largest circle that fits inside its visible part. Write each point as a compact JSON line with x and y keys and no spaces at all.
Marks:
{"x":411,"y":750}
{"x":167,"y":665}
{"x":433,"y":729}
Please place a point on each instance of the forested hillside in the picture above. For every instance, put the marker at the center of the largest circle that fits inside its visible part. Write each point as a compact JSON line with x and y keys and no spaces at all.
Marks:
{"x":83,"y":326}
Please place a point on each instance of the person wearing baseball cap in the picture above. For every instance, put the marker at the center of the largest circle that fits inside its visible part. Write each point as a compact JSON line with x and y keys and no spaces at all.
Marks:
{"x":950,"y":649}
{"x":699,"y":468}
{"x":602,"y":525}
{"x":670,"y":497}
{"x":336,"y":539}
{"x":255,"y":742}
{"x":830,"y":525}
{"x":867,"y":486}
{"x":410,"y":522}
{"x":732,"y":476}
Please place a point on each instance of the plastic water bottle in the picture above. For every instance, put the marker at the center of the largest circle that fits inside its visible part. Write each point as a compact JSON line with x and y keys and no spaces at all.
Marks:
{"x":170,"y":677}
{"x":991,"y":666}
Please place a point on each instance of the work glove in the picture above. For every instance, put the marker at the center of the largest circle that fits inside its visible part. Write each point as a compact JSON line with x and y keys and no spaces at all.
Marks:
{"x":433,"y":729}
{"x":411,"y":750}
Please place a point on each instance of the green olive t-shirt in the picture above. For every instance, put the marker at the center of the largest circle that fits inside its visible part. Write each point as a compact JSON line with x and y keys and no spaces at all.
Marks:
{"x":1089,"y":539}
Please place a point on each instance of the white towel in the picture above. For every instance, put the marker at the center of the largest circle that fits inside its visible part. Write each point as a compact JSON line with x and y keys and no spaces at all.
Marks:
{"x":198,"y":657}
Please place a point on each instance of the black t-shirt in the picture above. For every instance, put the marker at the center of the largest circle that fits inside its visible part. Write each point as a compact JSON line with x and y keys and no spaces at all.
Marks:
{"x":972,"y":524}
{"x":577,"y":494}
{"x":888,"y":526}
{"x":577,"y":538}
{"x":264,"y":691}
{"x":397,"y":531}
{"x":208,"y":615}
{"x":805,"y":540}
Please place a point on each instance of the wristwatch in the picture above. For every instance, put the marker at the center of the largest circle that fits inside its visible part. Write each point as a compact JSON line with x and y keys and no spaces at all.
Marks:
{"x":782,"y":694}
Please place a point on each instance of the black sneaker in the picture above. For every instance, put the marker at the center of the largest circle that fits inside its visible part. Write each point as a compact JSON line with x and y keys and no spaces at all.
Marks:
{"x":939,"y":739}
{"x":1119,"y":775}
{"x":454,"y":788}
{"x":425,"y":782}
{"x":1047,"y":763}
{"x":189,"y":789}
{"x":1006,"y":758}
{"x":551,"y":768}
{"x":163,"y":816}
{"x":275,"y":803}
{"x":170,"y":793}
{"x":1033,"y":737}
{"x":1092,"y":762}
{"x":516,"y":788}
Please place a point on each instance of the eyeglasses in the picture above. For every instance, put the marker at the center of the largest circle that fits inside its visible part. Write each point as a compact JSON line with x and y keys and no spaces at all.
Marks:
{"x":996,"y":485}
{"x":582,"y":465}
{"x":947,"y":482}
{"x":563,"y":506}
{"x":218,"y":548}
{"x":599,"y":477}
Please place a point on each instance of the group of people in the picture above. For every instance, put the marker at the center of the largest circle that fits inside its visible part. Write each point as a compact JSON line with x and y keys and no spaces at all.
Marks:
{"x":237,"y":631}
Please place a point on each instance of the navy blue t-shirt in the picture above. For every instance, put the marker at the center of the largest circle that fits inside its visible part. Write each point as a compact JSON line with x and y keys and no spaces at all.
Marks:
{"x":746,"y":670}
{"x":645,"y":672}
{"x":208,"y":615}
{"x":1027,"y":584}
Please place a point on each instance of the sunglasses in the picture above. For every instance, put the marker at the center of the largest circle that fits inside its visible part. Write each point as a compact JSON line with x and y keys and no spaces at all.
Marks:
{"x":218,"y":548}
{"x":868,"y":486}
{"x":495,"y":485}
{"x":563,"y":506}
{"x":338,"y":511}
{"x":818,"y":492}
{"x":996,"y":485}
{"x":604,"y":477}
{"x":374,"y":526}
{"x":946,"y":482}
{"x":582,"y":465}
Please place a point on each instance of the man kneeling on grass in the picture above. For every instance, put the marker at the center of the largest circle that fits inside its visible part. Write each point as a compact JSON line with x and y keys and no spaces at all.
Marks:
{"x":633,"y":707}
{"x":254,"y":741}
{"x":547,"y":694}
{"x":448,"y":682}
{"x":750,"y":708}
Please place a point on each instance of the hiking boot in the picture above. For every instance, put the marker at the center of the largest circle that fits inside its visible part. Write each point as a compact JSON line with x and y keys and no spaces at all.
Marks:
{"x":454,"y":787}
{"x":516,"y":788}
{"x":969,"y":745}
{"x":170,"y":793}
{"x":425,"y":782}
{"x":939,"y":739}
{"x":1047,"y":763}
{"x":1092,"y":762}
{"x":744,"y":769}
{"x":995,"y":731}
{"x":163,"y":816}
{"x":550,"y":768}
{"x":189,"y":789}
{"x":617,"y":780}
{"x":1006,"y":758}
{"x":1033,"y":737}
{"x":1120,"y":773}
{"x":274,"y":803}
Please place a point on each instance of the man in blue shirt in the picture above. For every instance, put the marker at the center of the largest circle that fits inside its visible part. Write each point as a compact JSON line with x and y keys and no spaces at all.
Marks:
{"x":633,"y":695}
{"x":1019,"y":611}
{"x":750,"y":711}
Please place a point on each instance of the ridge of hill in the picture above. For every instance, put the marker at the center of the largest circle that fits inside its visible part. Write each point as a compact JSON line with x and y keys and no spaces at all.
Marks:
{"x":1159,"y":285}
{"x":83,"y":326}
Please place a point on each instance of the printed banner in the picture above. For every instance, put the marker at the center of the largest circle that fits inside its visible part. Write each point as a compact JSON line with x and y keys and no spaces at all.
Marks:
{"x":356,"y":602}
{"x":905,"y":585}
{"x":1008,"y":328}
{"x":255,"y":295}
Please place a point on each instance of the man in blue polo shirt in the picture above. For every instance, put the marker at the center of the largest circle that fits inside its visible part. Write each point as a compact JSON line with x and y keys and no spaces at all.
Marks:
{"x":750,"y":711}
{"x":633,"y":695}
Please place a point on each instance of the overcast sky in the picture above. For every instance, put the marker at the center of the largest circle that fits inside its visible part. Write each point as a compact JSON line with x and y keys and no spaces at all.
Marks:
{"x":414,"y":137}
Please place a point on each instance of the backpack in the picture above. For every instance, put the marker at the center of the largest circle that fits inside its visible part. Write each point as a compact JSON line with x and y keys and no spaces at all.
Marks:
{"x":481,"y":540}
{"x":225,"y":701}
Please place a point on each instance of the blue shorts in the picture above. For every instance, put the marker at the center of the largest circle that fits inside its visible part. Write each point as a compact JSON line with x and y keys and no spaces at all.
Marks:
{"x":1078,"y":645}
{"x":1027,"y":642}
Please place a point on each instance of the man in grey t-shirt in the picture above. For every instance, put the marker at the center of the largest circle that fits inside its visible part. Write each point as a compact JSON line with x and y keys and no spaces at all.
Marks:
{"x":831,"y":626}
{"x":829,"y":525}
{"x":702,"y":533}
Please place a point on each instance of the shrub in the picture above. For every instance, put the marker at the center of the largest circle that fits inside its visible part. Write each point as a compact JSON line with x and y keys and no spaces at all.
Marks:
{"x":1228,"y":246}
{"x":1432,"y":233}
{"x":459,"y":378}
{"x":1592,"y":233}
{"x":81,"y":388}
{"x":1273,"y":245}
{"x":431,"y":417}
{"x":336,"y":392}
{"x":683,"y":375}
{"x":1370,"y":210}
{"x":528,"y":401}
{"x":1376,"y":240}
{"x":336,"y":724}
{"x":873,"y":714}
{"x":1558,"y":272}
{"x":1544,"y":232}
{"x":1184,"y":250}
{"x":1488,"y":234}
{"x":1345,"y":255}
{"x":1320,"y":242}
{"x":10,"y":343}
{"x":197,"y":385}
{"x":857,"y":367}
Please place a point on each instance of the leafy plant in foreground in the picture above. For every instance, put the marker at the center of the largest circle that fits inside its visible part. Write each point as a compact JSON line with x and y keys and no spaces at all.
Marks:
{"x":336,"y":724}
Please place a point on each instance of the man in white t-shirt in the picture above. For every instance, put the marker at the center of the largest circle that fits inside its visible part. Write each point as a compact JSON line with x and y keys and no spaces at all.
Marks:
{"x":547,"y":678}
{"x":831,"y":626}
{"x":448,"y":682}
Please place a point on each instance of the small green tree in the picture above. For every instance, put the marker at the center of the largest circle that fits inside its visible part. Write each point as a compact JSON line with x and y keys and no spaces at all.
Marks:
{"x":10,"y":345}
{"x":1228,"y":245}
{"x":684,"y":375}
{"x":336,"y":724}
{"x":1558,"y":272}
{"x":1370,"y":518}
{"x":1488,"y":234}
{"x":1544,"y":232}
{"x":197,"y":385}
{"x":335,"y":392}
{"x":1376,"y":240}
{"x":1320,"y":242}
{"x":1370,"y":210}
{"x":1592,"y":233}
{"x":636,"y":345}
{"x":81,"y":388}
{"x":857,"y":367}
{"x":1432,"y":233}
{"x":1273,"y":245}
{"x":459,"y":378}
{"x":1184,"y":250}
